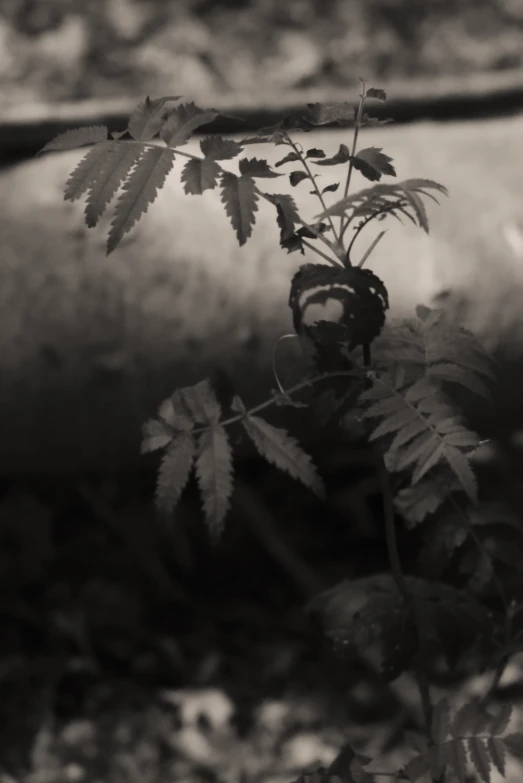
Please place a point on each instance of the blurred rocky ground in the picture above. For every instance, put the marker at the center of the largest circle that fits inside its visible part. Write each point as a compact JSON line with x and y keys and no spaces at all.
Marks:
{"x":58,"y":50}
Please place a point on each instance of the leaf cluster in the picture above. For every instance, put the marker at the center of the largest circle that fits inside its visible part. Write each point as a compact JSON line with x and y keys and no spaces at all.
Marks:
{"x":191,"y":431}
{"x":372,"y":613}
{"x":135,"y":162}
{"x":398,"y":394}
{"x":471,"y":737}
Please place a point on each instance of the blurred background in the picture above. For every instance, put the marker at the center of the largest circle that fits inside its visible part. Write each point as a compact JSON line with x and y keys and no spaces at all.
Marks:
{"x":64,"y":50}
{"x":133,"y":652}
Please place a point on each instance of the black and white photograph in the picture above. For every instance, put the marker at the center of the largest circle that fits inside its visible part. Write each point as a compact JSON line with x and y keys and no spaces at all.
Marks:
{"x":261,"y":391}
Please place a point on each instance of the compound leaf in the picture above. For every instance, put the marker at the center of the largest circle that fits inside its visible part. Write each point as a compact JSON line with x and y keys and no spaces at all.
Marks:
{"x":148,"y":117}
{"x":480,"y":757}
{"x":372,"y":163}
{"x":214,"y":472}
{"x":241,"y":203}
{"x":76,"y":137}
{"x":282,"y":450}
{"x":498,"y":753}
{"x":183,"y":121}
{"x":155,"y":436}
{"x":252,"y":167}
{"x":112,"y":171}
{"x":199,"y":175}
{"x":140,"y":190}
{"x":218,"y":148}
{"x":174,"y":472}
{"x":87,"y":171}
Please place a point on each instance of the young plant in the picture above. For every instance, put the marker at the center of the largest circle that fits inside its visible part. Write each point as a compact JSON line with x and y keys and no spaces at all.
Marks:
{"x":390,"y":382}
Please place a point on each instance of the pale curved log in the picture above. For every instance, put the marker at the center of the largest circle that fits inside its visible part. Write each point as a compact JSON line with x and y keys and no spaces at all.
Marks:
{"x":89,"y":345}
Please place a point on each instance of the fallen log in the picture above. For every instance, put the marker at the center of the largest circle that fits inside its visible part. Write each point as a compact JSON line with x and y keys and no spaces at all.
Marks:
{"x":24,"y":129}
{"x":89,"y":344}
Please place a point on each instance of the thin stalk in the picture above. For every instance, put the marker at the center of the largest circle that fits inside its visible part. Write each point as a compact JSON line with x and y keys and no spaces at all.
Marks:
{"x":399,"y":578}
{"x":312,"y":178}
{"x":353,"y":153}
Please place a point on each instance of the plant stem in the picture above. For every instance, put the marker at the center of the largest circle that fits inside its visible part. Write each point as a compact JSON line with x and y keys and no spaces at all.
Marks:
{"x":353,"y":153}
{"x":312,"y":178}
{"x":384,"y":211}
{"x":410,"y":601}
{"x":274,"y":400}
{"x":334,"y":248}
{"x":331,"y":261}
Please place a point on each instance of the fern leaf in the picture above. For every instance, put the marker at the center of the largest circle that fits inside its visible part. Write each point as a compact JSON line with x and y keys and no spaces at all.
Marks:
{"x":377,"y":93}
{"x":417,"y":183}
{"x":327,"y":113}
{"x":113,"y":170}
{"x":514,"y":743}
{"x":291,"y":157}
{"x":456,"y":434}
{"x":373,"y":201}
{"x":182,"y":122}
{"x":480,"y":757}
{"x":87,"y":171}
{"x":240,"y":199}
{"x":238,"y":406}
{"x":440,"y":757}
{"x":420,"y":390}
{"x":498,"y":754}
{"x":252,"y":167}
{"x":282,"y":450}
{"x":408,"y":432}
{"x":458,"y":760}
{"x":174,"y":472}
{"x":148,"y":117}
{"x":463,"y":720}
{"x":416,"y":502}
{"x":472,"y":718}
{"x":154,"y":436}
{"x":173,"y":413}
{"x":449,"y":344}
{"x":460,"y":465}
{"x":418,"y":208}
{"x":417,"y":768}
{"x":501,"y":721}
{"x":200,"y":402}
{"x":419,"y":449}
{"x":287,"y":213}
{"x":200,"y":175}
{"x":385,"y":407}
{"x":398,"y":421}
{"x":76,"y":137}
{"x":342,"y":156}
{"x":372,"y":163}
{"x":437,"y":406}
{"x":140,"y":190}
{"x":452,"y":373}
{"x":218,"y":148}
{"x":214,"y":472}
{"x":427,"y":462}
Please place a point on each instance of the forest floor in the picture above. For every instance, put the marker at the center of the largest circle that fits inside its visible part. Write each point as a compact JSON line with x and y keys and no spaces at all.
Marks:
{"x":111,"y":48}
